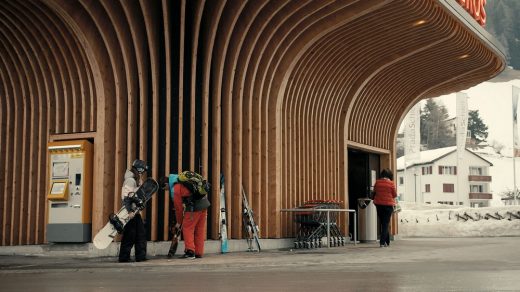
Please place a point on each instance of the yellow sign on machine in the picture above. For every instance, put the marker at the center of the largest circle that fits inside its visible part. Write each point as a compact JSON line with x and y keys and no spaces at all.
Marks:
{"x":70,"y":191}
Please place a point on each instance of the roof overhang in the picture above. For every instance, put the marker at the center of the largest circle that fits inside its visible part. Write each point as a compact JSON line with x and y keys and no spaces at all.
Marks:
{"x":430,"y":48}
{"x":467,"y":20}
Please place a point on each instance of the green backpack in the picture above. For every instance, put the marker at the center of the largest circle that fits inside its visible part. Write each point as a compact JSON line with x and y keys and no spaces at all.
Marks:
{"x":196,"y":183}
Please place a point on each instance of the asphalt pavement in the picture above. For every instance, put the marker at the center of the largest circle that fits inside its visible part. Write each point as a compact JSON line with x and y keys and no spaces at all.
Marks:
{"x":423,"y":264}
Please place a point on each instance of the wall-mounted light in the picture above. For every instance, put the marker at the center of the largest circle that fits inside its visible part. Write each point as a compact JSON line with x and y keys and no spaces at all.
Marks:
{"x":463,"y":56}
{"x":419,"y":22}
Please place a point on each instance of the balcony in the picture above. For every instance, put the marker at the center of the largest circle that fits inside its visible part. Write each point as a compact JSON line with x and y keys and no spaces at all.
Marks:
{"x":483,"y":178}
{"x":480,"y":196}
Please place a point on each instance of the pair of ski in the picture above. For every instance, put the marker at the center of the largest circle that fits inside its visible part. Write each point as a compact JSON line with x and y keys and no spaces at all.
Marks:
{"x":249,"y":224}
{"x":248,"y":221}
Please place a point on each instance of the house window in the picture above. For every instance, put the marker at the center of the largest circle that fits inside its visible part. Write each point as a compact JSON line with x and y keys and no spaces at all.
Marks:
{"x":476,"y":171}
{"x":427,"y":188}
{"x":426,"y":170}
{"x":447,"y":170}
{"x":448,"y":188}
{"x":476,"y":188}
{"x":401,"y":180}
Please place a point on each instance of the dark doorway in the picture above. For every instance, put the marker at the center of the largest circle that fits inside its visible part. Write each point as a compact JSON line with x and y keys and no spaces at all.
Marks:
{"x":362,"y":167}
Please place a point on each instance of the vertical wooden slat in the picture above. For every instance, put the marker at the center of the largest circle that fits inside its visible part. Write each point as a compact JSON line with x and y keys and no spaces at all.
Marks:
{"x":13,"y":181}
{"x":26,"y":143}
{"x":34,"y":173}
{"x":139,"y":52}
{"x":45,"y":120}
{"x":35,"y":153}
{"x":7,"y":167}
{"x":235,"y":139}
{"x":167,"y":142}
{"x":180,"y":121}
{"x":34,"y":149}
{"x":125,"y":110}
{"x":230,"y":143}
{"x":25,"y":171}
{"x":115,"y":104}
{"x":191,"y":95}
{"x":150,"y":20}
{"x":136,"y":22}
{"x":3,"y":143}
{"x":16,"y":39}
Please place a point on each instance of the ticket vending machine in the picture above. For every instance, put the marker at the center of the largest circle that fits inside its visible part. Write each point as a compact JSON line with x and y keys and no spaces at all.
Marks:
{"x":69,"y":197}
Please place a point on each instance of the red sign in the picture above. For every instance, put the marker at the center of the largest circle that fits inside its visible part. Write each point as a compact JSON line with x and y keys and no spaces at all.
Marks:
{"x":476,"y":8}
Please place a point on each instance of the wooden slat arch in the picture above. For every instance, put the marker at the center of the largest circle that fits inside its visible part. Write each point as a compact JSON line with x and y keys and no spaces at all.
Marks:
{"x":269,"y":93}
{"x":19,"y":220}
{"x":37,"y":104}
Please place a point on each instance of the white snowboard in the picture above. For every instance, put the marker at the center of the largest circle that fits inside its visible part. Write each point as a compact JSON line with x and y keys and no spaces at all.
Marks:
{"x":107,"y":234}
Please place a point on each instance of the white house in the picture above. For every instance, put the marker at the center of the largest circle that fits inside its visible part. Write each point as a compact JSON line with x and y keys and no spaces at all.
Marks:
{"x":438,"y":176}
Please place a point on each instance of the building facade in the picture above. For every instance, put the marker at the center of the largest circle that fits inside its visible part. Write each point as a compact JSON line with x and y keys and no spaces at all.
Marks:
{"x":436,"y":177}
{"x":291,"y":100}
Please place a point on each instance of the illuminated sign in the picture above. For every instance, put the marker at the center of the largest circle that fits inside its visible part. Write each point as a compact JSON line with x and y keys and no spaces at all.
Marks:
{"x":475,"y":8}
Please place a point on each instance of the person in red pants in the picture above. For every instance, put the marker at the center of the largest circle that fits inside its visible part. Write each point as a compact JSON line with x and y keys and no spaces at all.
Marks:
{"x":193,"y":219}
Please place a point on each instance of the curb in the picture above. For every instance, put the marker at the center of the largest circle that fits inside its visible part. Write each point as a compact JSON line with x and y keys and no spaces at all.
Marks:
{"x":157,"y":248}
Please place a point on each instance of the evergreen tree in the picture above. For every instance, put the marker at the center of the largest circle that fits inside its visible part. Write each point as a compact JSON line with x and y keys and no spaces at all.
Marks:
{"x":503,"y":23}
{"x":479,"y":130}
{"x":435,"y":132}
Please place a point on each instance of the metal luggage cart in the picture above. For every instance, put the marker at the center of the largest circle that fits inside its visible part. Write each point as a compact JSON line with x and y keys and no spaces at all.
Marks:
{"x":317,"y":219}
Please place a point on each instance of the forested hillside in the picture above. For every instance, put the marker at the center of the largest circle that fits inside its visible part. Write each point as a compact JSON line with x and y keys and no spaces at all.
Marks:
{"x":503,"y":21}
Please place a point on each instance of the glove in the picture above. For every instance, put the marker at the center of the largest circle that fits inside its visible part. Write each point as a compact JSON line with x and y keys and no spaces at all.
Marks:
{"x":129,"y":204}
{"x":137,"y":201}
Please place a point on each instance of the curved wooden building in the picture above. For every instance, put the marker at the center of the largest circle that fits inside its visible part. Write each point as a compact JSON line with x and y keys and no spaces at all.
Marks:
{"x":272,"y":93}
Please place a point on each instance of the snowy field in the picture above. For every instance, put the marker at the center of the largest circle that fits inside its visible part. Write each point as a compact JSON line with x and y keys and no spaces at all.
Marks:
{"x":438,"y":220}
{"x":449,"y":221}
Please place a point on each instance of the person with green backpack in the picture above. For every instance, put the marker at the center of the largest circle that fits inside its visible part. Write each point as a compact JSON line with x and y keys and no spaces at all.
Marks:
{"x":189,"y":191}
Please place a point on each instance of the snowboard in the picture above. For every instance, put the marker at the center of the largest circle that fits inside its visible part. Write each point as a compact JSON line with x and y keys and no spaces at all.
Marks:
{"x":176,"y":236}
{"x":223,"y":222}
{"x":117,"y":222}
{"x":250,"y":226}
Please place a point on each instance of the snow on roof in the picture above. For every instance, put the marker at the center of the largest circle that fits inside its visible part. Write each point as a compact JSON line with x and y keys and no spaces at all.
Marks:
{"x":429,"y":156}
{"x":426,"y":157}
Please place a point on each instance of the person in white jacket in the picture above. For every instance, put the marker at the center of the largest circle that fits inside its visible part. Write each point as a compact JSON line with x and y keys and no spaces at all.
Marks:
{"x":134,"y":232}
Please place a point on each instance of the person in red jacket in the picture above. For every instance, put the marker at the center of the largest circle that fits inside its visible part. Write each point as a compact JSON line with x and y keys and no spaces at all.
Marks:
{"x":384,"y":199}
{"x":193,"y":219}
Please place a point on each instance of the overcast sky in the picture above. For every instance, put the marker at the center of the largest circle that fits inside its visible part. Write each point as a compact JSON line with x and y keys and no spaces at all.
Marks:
{"x":494,"y":102}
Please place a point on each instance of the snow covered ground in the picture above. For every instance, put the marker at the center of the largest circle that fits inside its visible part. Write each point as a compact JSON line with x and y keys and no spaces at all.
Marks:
{"x":436,"y":220}
{"x":493,"y":100}
{"x":448,"y":221}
